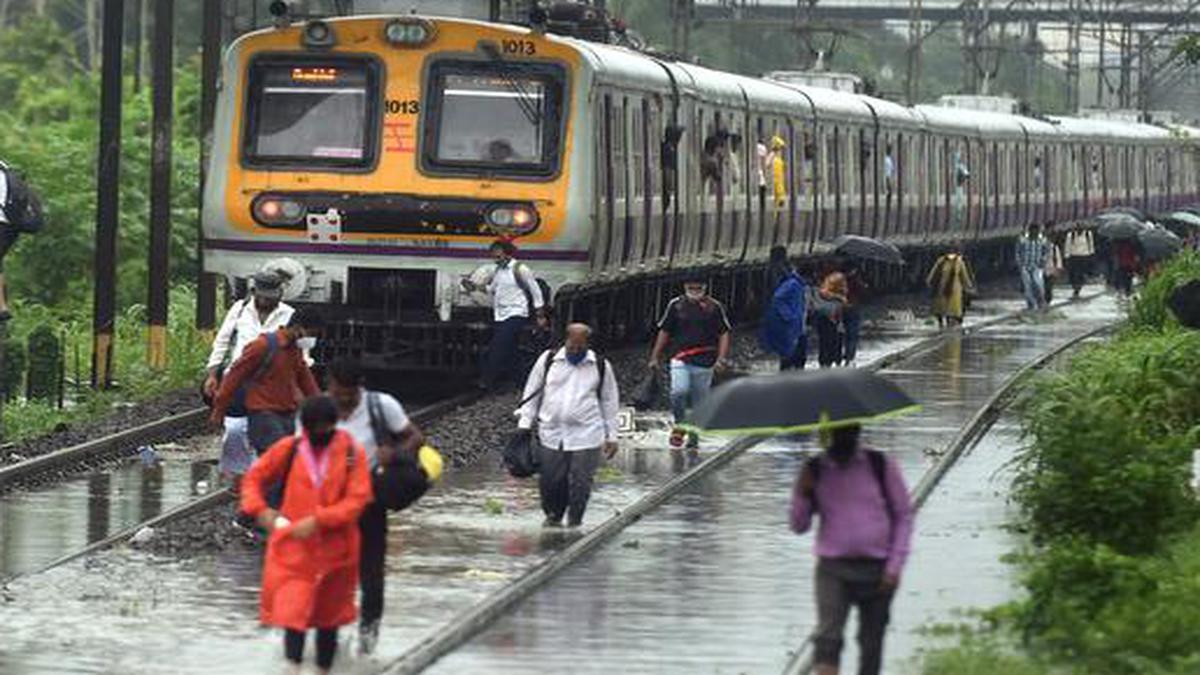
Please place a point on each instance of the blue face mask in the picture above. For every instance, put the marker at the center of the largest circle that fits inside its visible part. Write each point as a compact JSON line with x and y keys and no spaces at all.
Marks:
{"x":576,"y":358}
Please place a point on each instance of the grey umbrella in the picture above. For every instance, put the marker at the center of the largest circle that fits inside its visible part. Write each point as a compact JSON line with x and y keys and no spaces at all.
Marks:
{"x":856,"y":246}
{"x":1125,"y":227}
{"x":1127,"y":210}
{"x":799,"y":401}
{"x":1158,"y":243}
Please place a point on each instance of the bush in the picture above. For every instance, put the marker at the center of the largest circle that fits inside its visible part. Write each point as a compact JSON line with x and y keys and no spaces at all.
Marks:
{"x":1111,"y":441}
{"x":1150,"y":311}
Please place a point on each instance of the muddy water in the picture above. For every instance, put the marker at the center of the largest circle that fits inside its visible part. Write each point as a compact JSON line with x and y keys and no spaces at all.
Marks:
{"x":38,"y":526}
{"x":714,"y":582}
{"x":124,"y":611}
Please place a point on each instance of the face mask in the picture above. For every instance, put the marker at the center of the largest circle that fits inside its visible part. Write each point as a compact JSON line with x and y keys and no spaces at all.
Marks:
{"x":307,"y":343}
{"x":265,"y":306}
{"x":694,"y":296}
{"x":576,"y":358}
{"x":501,"y":264}
{"x":321,"y":440}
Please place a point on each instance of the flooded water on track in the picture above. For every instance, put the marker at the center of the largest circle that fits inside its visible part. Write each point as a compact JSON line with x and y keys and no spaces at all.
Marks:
{"x":717,"y":556}
{"x":714,"y":582}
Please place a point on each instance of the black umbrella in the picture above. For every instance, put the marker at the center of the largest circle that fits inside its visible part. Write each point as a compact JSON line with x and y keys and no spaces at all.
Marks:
{"x":1158,"y":243}
{"x":1126,"y":227}
{"x":792,"y":402}
{"x":855,"y":246}
{"x":1126,"y":210}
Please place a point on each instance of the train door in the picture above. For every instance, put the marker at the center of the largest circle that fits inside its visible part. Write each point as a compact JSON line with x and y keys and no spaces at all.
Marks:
{"x":602,"y":152}
{"x":623,"y":227}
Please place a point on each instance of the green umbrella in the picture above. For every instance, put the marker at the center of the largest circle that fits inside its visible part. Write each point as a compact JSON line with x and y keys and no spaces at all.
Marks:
{"x":798,"y":401}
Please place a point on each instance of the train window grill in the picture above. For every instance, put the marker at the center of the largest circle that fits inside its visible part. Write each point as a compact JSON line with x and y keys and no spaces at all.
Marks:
{"x":494,"y":118}
{"x":315,"y":113}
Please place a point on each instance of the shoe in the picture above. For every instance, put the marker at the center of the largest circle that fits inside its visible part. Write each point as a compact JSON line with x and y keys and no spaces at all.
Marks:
{"x":368,"y":637}
{"x":574,"y":523}
{"x":552,"y":522}
{"x":677,"y":437}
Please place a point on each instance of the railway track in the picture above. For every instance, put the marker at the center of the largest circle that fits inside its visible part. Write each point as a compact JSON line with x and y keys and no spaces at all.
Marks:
{"x":471,"y":623}
{"x":125,"y":443}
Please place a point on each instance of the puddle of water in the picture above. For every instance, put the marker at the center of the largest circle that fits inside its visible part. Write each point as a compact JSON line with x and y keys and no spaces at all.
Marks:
{"x":479,"y":530}
{"x":39,"y":526}
{"x":714,"y":581}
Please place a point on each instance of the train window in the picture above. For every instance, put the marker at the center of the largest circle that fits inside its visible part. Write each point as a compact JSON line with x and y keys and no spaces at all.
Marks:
{"x":493,"y":117}
{"x":312,"y":112}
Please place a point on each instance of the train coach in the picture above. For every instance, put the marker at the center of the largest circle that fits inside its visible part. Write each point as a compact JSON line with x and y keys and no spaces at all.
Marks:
{"x":377,"y":157}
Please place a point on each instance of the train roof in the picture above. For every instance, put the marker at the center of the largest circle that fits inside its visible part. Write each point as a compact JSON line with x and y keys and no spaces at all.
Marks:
{"x":1101,"y":130}
{"x":971,"y":122}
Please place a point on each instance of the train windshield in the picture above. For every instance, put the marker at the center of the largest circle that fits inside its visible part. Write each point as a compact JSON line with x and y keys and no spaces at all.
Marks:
{"x":494,"y":117}
{"x":311,"y":113}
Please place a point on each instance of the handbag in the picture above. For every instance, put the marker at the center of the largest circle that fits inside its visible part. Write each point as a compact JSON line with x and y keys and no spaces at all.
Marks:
{"x":520,"y":453}
{"x":398,"y":484}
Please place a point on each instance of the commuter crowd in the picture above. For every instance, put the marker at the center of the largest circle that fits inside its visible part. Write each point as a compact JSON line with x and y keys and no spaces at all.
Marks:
{"x":319,"y":470}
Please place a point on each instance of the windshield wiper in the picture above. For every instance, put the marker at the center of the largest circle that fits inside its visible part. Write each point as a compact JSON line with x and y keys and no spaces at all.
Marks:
{"x":531,"y":110}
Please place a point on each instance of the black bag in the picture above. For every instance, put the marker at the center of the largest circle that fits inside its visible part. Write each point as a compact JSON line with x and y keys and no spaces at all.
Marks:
{"x":400,"y":483}
{"x":646,"y":393}
{"x":21,"y":206}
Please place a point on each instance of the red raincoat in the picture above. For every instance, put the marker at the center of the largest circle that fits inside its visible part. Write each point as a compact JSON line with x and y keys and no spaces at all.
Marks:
{"x":311,"y":583}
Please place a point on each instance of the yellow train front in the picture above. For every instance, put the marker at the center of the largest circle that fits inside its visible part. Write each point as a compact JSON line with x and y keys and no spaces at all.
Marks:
{"x":377,"y":158}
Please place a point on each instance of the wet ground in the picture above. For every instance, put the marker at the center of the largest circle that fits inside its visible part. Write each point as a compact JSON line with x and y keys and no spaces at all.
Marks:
{"x":127,"y":611}
{"x":713,"y":582}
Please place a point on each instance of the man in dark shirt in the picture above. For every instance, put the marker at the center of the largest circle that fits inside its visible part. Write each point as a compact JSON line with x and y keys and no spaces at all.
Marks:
{"x":276,"y":377}
{"x":698,"y":331}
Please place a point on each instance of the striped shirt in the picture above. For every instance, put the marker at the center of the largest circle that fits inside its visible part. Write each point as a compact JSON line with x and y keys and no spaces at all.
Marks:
{"x":1031,"y":253}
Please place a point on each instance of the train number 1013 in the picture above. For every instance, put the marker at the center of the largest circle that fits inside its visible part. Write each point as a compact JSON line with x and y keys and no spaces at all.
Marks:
{"x":518,"y":47}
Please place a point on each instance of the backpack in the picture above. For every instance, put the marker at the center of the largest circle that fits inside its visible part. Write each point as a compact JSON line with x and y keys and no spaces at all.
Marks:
{"x":21,"y":207}
{"x":400,"y":484}
{"x":878,"y":468}
{"x":524,"y":286}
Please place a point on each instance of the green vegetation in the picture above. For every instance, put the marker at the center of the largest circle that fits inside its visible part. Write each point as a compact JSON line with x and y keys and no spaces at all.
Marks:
{"x":48,"y":132}
{"x":1112,"y":573}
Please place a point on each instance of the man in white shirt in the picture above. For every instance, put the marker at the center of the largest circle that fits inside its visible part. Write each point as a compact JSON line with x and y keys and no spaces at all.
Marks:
{"x":263,"y":311}
{"x":355,"y":405}
{"x":516,"y":297}
{"x":575,"y":407}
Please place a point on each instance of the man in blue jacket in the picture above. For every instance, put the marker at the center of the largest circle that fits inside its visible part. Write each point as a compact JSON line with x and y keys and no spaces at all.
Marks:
{"x":784,"y":330}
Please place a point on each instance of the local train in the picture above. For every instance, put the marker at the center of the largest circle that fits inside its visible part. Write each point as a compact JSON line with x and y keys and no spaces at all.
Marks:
{"x":380,"y":155}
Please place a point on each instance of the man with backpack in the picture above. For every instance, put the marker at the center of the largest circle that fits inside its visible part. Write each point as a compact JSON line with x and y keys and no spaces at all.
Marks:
{"x":20,"y":213}
{"x":862,"y":542}
{"x":572,"y":396}
{"x":517,"y":295}
{"x":378,"y":422}
{"x":273,"y":370}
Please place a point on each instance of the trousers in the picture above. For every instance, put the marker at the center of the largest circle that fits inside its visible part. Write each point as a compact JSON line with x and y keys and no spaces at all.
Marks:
{"x":799,"y":358}
{"x":565,"y":482}
{"x":852,"y":321}
{"x":842,"y":583}
{"x":502,"y":360}
{"x":373,"y":528}
{"x":689,"y":386}
{"x":1077,"y":269}
{"x":327,"y":638}
{"x":829,"y":341}
{"x":1033,"y":284}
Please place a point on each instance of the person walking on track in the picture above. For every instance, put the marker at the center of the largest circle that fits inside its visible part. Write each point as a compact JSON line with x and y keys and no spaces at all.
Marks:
{"x":863,"y":540}
{"x":572,"y":396}
{"x":367,"y":415}
{"x":311,"y":568}
{"x":20,"y":213}
{"x":516,"y":297}
{"x":784,"y":329}
{"x":697,"y":329}
{"x":1031,"y":262}
{"x":829,"y":310}
{"x":272,"y":368}
{"x":263,"y":311}
{"x":1054,"y":268}
{"x":950,"y":281}
{"x":1081,"y":247}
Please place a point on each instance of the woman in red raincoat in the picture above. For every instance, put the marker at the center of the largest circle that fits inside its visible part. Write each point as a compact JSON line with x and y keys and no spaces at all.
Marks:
{"x":310,"y":575}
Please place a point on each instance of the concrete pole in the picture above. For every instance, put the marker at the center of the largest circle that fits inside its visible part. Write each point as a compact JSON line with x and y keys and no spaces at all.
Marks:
{"x":108,"y":183}
{"x":158,"y":299}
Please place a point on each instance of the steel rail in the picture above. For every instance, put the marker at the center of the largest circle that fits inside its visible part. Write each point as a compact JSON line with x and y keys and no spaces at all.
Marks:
{"x":222,"y":496}
{"x":969,"y":435}
{"x":469,"y":623}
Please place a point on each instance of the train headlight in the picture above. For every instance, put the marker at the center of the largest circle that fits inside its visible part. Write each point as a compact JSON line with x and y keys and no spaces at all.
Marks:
{"x":513,"y":218}
{"x":318,"y":34}
{"x":408,"y":32}
{"x":278,"y":211}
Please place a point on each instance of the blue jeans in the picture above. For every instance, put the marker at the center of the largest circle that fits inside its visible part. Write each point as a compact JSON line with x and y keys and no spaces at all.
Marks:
{"x":1035,"y":287}
{"x":689,"y":386}
{"x":502,"y":361}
